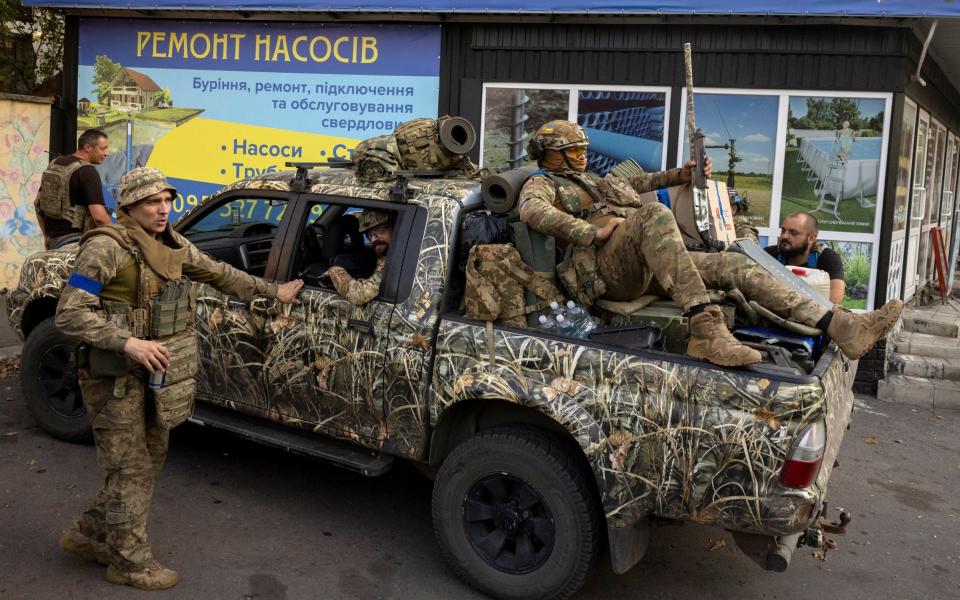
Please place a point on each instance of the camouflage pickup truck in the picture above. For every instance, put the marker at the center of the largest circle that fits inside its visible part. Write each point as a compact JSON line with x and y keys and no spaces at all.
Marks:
{"x":543,"y":448}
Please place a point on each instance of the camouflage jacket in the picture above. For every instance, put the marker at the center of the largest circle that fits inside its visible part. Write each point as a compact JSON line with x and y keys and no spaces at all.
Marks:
{"x":744,"y":229}
{"x":553,"y":211}
{"x":358,"y":291}
{"x":100,"y":261}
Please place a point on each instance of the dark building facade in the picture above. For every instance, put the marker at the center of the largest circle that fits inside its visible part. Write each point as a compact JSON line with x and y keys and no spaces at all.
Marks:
{"x":824,"y":114}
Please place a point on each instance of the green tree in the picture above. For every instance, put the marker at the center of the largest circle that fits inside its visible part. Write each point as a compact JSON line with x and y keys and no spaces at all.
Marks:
{"x":845,"y":109}
{"x":818,"y":113}
{"x":104,"y":70}
{"x":33,"y":42}
{"x":165,"y":99}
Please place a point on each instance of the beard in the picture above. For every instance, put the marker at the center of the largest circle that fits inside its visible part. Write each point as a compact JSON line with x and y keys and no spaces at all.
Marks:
{"x":790,"y":251}
{"x":381,"y":248}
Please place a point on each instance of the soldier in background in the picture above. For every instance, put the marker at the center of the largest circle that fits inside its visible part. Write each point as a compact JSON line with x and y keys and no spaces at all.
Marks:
{"x":378,"y":227}
{"x":741,"y":225}
{"x":70,"y":199}
{"x":124,"y":275}
{"x":636,"y":248}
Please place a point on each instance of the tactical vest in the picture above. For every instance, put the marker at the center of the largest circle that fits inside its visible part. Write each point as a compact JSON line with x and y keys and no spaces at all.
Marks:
{"x":590,"y":197}
{"x":153,"y":307}
{"x":53,"y":199}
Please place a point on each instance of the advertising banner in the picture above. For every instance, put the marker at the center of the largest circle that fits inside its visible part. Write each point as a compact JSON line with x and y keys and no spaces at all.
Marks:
{"x":844,"y":8}
{"x":621,"y":122}
{"x":209,"y":103}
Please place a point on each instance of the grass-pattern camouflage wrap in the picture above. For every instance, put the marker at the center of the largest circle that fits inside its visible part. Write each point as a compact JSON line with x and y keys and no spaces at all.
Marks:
{"x":662,"y":434}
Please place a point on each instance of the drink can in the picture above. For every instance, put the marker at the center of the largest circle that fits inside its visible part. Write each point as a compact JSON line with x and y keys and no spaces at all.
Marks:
{"x":157,"y":380}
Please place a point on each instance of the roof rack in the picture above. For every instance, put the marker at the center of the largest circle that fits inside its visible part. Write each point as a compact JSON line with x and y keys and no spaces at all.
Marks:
{"x":301,"y":181}
{"x":400,"y":191}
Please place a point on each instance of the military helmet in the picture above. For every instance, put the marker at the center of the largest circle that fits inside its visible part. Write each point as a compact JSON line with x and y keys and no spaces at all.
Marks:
{"x":557,"y":135}
{"x":370,"y":219}
{"x":142,"y":182}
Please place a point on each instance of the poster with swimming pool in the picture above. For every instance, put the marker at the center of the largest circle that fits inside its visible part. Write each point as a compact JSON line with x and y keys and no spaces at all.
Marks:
{"x":832,"y":160}
{"x":209,"y":103}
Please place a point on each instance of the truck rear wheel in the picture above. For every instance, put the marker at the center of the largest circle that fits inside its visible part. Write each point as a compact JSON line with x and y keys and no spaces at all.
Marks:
{"x":516,"y":516}
{"x":50,"y":385}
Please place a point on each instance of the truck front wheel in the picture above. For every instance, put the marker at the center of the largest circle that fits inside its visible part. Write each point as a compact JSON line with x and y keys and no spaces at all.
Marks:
{"x":50,"y":384}
{"x":515,"y":514}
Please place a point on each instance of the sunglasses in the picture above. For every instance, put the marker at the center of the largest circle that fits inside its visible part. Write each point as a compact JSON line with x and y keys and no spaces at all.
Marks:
{"x":576,"y":152}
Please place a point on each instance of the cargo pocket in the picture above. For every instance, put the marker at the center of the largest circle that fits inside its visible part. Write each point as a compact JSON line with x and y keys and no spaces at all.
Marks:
{"x":174,"y":403}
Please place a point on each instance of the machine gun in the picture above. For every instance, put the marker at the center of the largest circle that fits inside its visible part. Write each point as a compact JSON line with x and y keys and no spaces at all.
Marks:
{"x":701,"y":198}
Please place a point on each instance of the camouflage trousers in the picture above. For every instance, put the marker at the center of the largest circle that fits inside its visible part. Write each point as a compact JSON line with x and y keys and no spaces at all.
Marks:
{"x":646,"y":254}
{"x":728,"y":270}
{"x":131,"y":448}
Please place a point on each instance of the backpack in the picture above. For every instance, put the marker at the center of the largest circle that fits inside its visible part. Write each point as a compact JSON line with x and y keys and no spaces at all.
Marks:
{"x":418,"y":141}
{"x":496,"y":279}
{"x":376,"y":158}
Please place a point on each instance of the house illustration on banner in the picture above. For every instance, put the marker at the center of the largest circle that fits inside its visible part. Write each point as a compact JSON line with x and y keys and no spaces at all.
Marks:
{"x":132,"y":90}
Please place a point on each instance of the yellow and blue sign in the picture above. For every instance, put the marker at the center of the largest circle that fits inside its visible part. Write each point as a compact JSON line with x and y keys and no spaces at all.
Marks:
{"x":209,"y":103}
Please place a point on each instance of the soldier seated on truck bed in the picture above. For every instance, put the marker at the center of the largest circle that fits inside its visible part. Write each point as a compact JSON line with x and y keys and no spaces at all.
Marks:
{"x":633,"y":248}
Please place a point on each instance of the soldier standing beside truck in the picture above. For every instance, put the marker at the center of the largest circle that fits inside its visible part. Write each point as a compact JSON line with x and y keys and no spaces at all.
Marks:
{"x":620,"y":248}
{"x":70,"y":199}
{"x":130,"y":301}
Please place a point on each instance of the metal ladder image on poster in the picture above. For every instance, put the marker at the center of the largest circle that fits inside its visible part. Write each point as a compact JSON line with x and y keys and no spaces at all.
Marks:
{"x":821,"y":188}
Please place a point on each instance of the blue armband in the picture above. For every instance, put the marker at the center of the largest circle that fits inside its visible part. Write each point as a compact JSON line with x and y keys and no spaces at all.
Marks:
{"x":82,"y":282}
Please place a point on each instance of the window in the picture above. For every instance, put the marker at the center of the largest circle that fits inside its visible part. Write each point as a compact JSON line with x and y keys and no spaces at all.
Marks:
{"x":239,"y":231}
{"x":330,"y":236}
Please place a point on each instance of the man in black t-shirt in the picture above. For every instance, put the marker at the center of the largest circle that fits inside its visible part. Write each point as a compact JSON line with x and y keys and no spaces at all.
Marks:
{"x":71,"y":197}
{"x":798,"y":246}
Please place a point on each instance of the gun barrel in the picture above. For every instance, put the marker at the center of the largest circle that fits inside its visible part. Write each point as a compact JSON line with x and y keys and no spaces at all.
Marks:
{"x":688,"y":66}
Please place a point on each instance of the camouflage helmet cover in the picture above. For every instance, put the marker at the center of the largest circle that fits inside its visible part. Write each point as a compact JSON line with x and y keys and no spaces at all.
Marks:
{"x":370,"y":219}
{"x":560,"y":135}
{"x":142,"y":182}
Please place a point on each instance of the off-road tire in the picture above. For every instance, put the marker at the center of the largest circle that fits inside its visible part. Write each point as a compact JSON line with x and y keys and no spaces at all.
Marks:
{"x":552,"y":468}
{"x":49,"y":384}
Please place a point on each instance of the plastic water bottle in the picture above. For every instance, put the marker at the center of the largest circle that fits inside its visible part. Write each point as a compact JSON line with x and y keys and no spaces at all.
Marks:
{"x":564,"y":326}
{"x":584,"y":327}
{"x":581,"y":323}
{"x":547,"y":324}
{"x":557,"y":310}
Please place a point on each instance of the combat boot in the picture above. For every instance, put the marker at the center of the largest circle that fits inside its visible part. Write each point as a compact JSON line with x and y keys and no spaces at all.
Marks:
{"x":154,"y":577}
{"x":710,"y":340}
{"x":74,"y":542}
{"x":856,"y":333}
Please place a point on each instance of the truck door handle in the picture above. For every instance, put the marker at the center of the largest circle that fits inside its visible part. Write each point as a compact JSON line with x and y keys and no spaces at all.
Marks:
{"x":361,"y":326}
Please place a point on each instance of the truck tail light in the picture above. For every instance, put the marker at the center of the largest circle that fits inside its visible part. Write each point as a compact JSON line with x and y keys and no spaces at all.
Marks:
{"x":803,"y":461}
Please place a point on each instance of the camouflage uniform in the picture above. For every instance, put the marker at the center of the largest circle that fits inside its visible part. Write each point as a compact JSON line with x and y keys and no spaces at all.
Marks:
{"x":130,"y":439}
{"x":645,"y":253}
{"x":361,"y":291}
{"x":358,"y":291}
{"x":744,"y":229}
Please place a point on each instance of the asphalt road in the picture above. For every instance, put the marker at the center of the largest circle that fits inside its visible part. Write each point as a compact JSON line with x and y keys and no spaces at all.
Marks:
{"x":240,"y":521}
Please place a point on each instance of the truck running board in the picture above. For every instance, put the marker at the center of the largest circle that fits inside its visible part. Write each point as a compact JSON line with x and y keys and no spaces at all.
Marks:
{"x":342,"y":454}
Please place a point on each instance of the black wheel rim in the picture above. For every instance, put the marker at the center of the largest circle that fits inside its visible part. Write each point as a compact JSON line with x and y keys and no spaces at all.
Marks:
{"x":508,"y":523}
{"x":59,"y":382}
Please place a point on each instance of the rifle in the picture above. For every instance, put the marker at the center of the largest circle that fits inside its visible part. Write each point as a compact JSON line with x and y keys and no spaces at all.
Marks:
{"x":701,"y":202}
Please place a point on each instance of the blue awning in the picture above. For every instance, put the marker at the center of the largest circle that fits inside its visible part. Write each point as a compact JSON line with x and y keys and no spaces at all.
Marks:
{"x":831,"y":8}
